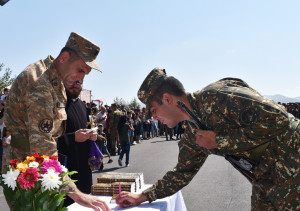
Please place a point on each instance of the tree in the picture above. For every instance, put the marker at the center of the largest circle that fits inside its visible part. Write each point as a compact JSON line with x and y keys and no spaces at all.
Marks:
{"x":120,"y":101}
{"x":134,"y":104}
{"x":5,"y":79}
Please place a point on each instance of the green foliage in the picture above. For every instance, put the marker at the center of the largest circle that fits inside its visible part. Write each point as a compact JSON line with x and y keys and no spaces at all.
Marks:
{"x":5,"y":78}
{"x":134,"y":104}
{"x":120,"y":102}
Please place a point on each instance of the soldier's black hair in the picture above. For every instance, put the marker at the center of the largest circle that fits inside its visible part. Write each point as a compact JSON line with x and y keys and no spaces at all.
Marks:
{"x":73,"y":55}
{"x":172,"y":86}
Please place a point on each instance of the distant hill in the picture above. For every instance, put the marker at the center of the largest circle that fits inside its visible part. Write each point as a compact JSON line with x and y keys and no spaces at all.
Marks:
{"x":283,"y":99}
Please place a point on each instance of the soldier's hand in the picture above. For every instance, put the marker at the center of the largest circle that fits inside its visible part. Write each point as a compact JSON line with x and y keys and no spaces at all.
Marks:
{"x":81,"y":135}
{"x":206,"y":139}
{"x":128,"y":199}
{"x":89,"y":201}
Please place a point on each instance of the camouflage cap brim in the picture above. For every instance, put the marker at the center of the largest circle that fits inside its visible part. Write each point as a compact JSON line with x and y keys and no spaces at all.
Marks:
{"x":94,"y":65}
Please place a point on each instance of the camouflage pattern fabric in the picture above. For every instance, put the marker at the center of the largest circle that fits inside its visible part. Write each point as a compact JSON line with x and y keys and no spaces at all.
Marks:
{"x":153,"y":80}
{"x":115,"y":116}
{"x":242,"y":120}
{"x":85,"y":49}
{"x":35,"y":111}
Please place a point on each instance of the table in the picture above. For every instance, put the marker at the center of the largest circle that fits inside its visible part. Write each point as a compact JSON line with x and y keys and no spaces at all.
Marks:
{"x":171,"y":203}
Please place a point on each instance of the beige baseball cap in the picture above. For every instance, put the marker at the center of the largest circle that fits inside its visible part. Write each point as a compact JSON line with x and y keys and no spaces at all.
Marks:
{"x":85,"y":49}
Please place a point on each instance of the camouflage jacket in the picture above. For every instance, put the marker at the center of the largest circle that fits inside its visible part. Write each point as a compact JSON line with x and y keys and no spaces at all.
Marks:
{"x":115,"y":116}
{"x":35,"y":112}
{"x":242,"y":120}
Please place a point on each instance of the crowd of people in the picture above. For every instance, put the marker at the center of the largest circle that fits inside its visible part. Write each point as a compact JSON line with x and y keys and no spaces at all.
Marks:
{"x":293,"y":108}
{"x":112,"y":139}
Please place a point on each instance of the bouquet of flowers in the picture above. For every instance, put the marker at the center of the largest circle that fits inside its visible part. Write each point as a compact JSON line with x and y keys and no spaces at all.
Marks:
{"x":34,"y":183}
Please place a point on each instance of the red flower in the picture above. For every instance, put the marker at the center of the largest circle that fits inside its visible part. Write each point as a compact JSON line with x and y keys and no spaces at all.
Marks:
{"x":39,"y":159}
{"x":35,"y":155}
{"x":13,"y":163}
{"x":54,"y":157}
{"x":27,"y":179}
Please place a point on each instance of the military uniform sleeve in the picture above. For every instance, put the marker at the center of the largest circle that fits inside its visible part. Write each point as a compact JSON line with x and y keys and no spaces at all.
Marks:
{"x":242,"y":120}
{"x":191,"y":158}
{"x":111,"y":121}
{"x":40,"y":120}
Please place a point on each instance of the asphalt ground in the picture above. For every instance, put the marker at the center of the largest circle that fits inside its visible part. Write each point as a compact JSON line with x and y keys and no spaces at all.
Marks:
{"x":216,"y":187}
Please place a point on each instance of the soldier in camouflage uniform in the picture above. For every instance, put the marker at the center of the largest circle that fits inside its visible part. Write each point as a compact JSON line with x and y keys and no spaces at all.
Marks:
{"x":113,"y":131}
{"x":240,"y":123}
{"x":35,"y":113}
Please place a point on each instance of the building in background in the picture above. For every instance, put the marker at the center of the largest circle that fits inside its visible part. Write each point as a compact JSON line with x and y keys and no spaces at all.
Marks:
{"x":86,"y":95}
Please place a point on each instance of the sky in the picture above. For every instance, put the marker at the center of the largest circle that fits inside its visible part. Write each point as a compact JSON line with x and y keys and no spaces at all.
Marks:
{"x":196,"y":41}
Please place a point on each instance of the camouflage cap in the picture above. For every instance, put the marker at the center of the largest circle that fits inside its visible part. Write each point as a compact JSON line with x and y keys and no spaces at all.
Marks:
{"x":85,"y":49}
{"x":148,"y":88}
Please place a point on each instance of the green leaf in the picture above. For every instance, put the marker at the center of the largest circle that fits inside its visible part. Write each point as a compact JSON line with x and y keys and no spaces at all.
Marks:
{"x":40,"y":209}
{"x":55,"y":202}
{"x":28,"y":194}
{"x":62,"y":203}
{"x":37,"y":187}
{"x":72,"y":172}
{"x":63,"y":174}
{"x":17,"y":206}
{"x":66,"y":182}
{"x":9,"y":193}
{"x":28,"y":206}
{"x":42,"y":199}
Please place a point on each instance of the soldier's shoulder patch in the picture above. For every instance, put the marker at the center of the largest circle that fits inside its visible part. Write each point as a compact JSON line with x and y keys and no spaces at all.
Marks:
{"x":46,"y":125}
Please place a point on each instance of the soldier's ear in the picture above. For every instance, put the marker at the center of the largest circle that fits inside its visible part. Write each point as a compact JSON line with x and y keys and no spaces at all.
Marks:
{"x":167,"y":98}
{"x":64,"y":57}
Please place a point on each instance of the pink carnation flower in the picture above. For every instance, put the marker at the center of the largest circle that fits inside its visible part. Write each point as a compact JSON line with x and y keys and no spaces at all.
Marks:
{"x":51,"y":164}
{"x":27,"y":179}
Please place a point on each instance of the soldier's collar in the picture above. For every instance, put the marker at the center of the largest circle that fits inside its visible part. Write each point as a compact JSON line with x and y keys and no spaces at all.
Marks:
{"x":52,"y":70}
{"x":192,"y":101}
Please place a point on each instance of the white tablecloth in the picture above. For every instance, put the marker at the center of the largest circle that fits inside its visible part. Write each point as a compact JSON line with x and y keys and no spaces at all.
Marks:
{"x":171,"y":203}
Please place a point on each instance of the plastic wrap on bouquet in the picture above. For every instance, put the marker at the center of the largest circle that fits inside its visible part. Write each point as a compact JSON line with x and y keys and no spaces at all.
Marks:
{"x":95,"y":157}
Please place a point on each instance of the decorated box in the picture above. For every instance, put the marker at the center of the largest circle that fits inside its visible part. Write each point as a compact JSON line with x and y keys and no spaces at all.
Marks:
{"x":125,"y":186}
{"x":102,"y":189}
{"x":111,"y":177}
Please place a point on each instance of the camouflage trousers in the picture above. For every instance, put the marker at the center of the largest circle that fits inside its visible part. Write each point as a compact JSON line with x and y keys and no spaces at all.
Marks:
{"x":113,"y":139}
{"x":278,"y":177}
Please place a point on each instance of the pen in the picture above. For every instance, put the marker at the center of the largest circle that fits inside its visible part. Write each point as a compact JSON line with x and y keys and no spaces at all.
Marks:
{"x":120,"y":193}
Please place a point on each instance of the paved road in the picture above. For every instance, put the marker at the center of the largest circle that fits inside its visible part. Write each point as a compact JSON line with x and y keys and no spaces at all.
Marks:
{"x":216,"y":187}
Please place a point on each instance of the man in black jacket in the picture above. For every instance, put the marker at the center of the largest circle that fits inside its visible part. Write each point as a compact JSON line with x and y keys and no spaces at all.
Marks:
{"x":74,"y":144}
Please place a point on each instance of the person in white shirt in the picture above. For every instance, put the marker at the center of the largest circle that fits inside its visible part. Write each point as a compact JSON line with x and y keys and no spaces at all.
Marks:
{"x":101,"y":117}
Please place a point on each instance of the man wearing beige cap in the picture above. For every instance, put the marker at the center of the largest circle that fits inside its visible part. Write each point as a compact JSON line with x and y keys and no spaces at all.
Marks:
{"x":36,"y":114}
